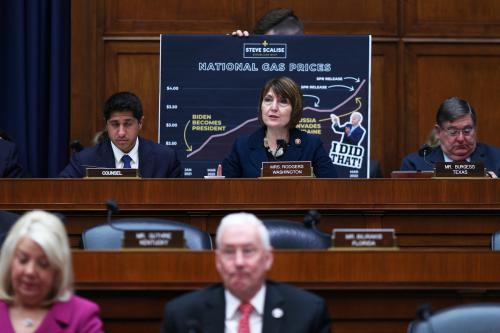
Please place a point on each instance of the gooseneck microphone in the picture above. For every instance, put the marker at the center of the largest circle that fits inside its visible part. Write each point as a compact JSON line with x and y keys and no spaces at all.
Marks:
{"x":311,"y":220}
{"x":281,"y":146}
{"x":425,"y":151}
{"x":112,"y":207}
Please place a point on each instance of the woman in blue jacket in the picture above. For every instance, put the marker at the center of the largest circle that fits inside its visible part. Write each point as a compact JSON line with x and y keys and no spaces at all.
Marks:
{"x":277,"y":139}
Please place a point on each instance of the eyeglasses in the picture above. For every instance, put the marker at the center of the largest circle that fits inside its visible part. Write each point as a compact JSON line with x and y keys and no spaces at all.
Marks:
{"x":453,"y":131}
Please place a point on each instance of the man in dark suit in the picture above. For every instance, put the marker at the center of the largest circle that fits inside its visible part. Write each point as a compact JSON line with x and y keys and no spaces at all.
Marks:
{"x":245,"y":301}
{"x":123,"y":148}
{"x":456,"y":131}
{"x":352,"y":132}
{"x":9,"y":160}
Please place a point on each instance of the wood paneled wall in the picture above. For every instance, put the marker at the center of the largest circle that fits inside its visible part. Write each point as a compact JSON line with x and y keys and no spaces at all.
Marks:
{"x":424,"y":51}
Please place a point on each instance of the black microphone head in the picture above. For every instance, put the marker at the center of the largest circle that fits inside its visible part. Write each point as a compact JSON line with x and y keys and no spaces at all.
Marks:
{"x":76,"y":146}
{"x":281,"y":143}
{"x":424,"y":150}
{"x":424,"y":311}
{"x":112,"y":206}
{"x":311,"y":220}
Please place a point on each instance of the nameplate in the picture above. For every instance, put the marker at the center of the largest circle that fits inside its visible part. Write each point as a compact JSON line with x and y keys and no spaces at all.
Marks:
{"x":363,"y":238}
{"x":111,"y":173}
{"x":154,"y":239}
{"x":459,"y":169}
{"x":287,"y":169}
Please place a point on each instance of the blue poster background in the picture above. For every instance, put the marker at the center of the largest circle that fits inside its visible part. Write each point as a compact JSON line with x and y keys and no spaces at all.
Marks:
{"x":210,"y":87}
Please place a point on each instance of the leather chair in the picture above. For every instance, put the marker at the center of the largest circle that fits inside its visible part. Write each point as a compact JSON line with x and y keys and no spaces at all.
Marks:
{"x":495,"y":241}
{"x":7,"y":220}
{"x":286,"y":234}
{"x":109,"y":236}
{"x":471,"y":318}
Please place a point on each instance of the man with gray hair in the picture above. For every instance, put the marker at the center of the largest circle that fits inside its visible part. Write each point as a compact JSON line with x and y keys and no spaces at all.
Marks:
{"x":456,"y":131}
{"x":245,"y":301}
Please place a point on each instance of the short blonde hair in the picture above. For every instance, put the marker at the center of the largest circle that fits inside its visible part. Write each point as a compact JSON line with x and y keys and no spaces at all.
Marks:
{"x":243,"y":219}
{"x":48,"y":231}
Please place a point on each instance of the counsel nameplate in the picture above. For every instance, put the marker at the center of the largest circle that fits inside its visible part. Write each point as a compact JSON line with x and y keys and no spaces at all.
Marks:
{"x":459,"y":169}
{"x":154,"y":239}
{"x":111,"y":173}
{"x":287,"y":169}
{"x":364,"y":238}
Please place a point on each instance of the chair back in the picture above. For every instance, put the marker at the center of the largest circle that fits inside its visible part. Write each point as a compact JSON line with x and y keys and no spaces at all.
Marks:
{"x":286,"y":234}
{"x":471,"y":318}
{"x":105,"y":236}
{"x":495,"y":241}
{"x":7,"y":220}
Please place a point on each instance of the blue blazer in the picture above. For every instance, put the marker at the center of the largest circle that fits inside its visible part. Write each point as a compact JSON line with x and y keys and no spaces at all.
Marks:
{"x":487,"y":154}
{"x":356,"y":136}
{"x":248,"y":153}
{"x":287,"y":309}
{"x":9,"y":160}
{"x":155,"y":160}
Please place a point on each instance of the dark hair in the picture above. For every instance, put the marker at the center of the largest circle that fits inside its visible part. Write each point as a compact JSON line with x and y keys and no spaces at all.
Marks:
{"x":123,"y":101}
{"x":452,"y":109}
{"x":284,"y":87}
{"x":282,"y":20}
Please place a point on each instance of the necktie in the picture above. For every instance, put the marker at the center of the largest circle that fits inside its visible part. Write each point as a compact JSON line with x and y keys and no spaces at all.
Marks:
{"x":244,"y":323}
{"x":126,"y":161}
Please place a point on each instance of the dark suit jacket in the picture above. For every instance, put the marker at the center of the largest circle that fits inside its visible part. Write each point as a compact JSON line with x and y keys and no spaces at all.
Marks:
{"x":248,"y":153}
{"x":303,"y":312}
{"x":356,"y":135}
{"x":155,"y":160}
{"x":9,"y":160}
{"x":487,"y":154}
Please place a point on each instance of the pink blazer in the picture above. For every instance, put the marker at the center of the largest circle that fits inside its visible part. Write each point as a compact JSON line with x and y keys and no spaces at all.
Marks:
{"x":77,"y":315}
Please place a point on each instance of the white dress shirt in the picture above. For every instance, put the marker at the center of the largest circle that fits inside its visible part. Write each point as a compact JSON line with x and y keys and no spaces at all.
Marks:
{"x":448,"y":159}
{"x":134,"y":155}
{"x":233,"y":314}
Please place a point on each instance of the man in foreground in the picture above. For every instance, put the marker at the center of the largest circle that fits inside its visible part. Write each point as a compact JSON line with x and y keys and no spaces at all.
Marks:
{"x":245,"y":301}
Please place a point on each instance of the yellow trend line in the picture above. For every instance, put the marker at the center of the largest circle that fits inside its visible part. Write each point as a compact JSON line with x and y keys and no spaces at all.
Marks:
{"x":358,"y":101}
{"x":189,"y":148}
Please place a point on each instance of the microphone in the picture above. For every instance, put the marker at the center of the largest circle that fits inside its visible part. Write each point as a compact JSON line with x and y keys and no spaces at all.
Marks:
{"x":424,"y":311}
{"x":281,"y":146}
{"x":311,"y":220}
{"x":193,"y":326}
{"x":424,"y":151}
{"x":76,"y":146}
{"x":112,"y":207}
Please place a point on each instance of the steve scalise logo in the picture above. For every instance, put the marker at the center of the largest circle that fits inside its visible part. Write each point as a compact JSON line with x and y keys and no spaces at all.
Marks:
{"x":265,"y":50}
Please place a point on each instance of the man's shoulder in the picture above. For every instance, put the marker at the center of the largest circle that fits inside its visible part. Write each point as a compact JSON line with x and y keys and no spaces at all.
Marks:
{"x":197,"y":298}
{"x":292,"y":293}
{"x":488,"y":149}
{"x":92,"y":152}
{"x":413,"y":156}
{"x":154,"y":146}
